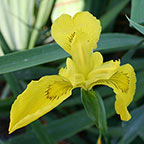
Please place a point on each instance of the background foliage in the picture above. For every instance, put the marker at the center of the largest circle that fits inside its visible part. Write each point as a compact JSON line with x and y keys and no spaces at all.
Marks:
{"x":26,"y":24}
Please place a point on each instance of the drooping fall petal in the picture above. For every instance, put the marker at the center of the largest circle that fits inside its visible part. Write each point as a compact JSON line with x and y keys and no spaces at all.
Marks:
{"x":39,"y":98}
{"x":123,"y":82}
{"x":103,"y":72}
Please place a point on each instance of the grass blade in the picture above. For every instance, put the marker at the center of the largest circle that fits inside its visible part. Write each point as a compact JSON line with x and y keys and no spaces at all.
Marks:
{"x":43,"y":15}
{"x":42,"y":134}
{"x":48,"y":53}
{"x":5,"y":26}
{"x":29,"y":58}
{"x":20,"y":13}
{"x":137,"y":26}
{"x":107,"y":18}
{"x":132,"y":127}
{"x":137,"y":12}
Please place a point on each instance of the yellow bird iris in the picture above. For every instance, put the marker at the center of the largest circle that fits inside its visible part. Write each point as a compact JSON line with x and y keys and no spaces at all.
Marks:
{"x":78,"y":36}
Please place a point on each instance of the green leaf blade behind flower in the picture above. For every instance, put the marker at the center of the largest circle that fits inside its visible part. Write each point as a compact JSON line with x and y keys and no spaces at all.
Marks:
{"x":133,"y":126}
{"x":137,"y":12}
{"x":16,"y":20}
{"x":137,"y":26}
{"x":29,"y":58}
{"x":47,"y":53}
{"x":107,"y":18}
{"x":43,"y":15}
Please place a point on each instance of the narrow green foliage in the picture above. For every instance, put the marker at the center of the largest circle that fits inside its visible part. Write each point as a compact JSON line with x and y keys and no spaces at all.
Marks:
{"x":44,"y":11}
{"x":4,"y":45}
{"x":16,"y":20}
{"x":47,"y":53}
{"x":127,"y":56}
{"x":42,"y":134}
{"x":133,"y":126}
{"x":137,"y":12}
{"x":137,"y":26}
{"x":107,"y":18}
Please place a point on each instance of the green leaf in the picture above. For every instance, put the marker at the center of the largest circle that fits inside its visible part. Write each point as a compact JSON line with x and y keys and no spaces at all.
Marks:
{"x":139,"y":86}
{"x":133,"y":126}
{"x":1,"y":142}
{"x":5,"y":26}
{"x":3,"y":44}
{"x":96,"y":7}
{"x":77,"y":140}
{"x":13,"y":83}
{"x":137,"y":63}
{"x":128,"y":55}
{"x":141,"y":133}
{"x":137,"y":12}
{"x":20,"y":13}
{"x":137,"y":26}
{"x":112,"y":42}
{"x":95,"y":109}
{"x":5,"y":92}
{"x":44,"y":11}
{"x":19,"y":60}
{"x":48,"y":53}
{"x":42,"y":134}
{"x":107,"y":18}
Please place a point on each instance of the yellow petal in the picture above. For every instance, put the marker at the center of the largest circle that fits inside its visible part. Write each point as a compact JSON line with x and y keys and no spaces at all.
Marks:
{"x":65,"y":27}
{"x":71,"y":73}
{"x":81,"y":53}
{"x":87,"y":23}
{"x":99,"y":141}
{"x":39,"y":98}
{"x":104,"y":71}
{"x":125,"y":96}
{"x":97,"y":60}
{"x":123,"y":83}
{"x":62,"y":31}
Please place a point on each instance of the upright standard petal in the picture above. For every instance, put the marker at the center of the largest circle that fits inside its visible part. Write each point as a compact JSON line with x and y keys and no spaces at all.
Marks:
{"x":123,"y":82}
{"x":81,"y":53}
{"x":71,"y":73}
{"x":65,"y":28}
{"x":39,"y":98}
{"x":62,"y":31}
{"x":87,"y":23}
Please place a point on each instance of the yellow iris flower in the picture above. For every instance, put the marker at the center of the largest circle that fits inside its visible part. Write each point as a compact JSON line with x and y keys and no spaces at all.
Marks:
{"x":78,"y":36}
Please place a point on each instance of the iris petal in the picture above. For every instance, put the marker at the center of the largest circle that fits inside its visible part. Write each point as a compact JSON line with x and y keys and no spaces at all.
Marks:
{"x":65,"y":27}
{"x":39,"y":98}
{"x":123,"y":82}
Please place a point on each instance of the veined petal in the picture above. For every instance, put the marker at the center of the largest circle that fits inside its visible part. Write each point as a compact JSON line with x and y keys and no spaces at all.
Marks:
{"x":71,"y":73}
{"x":62,"y":31}
{"x":123,"y":83}
{"x":97,"y":60}
{"x":104,"y":71}
{"x":81,"y":53}
{"x":65,"y":27}
{"x":39,"y":98}
{"x":87,"y":23}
